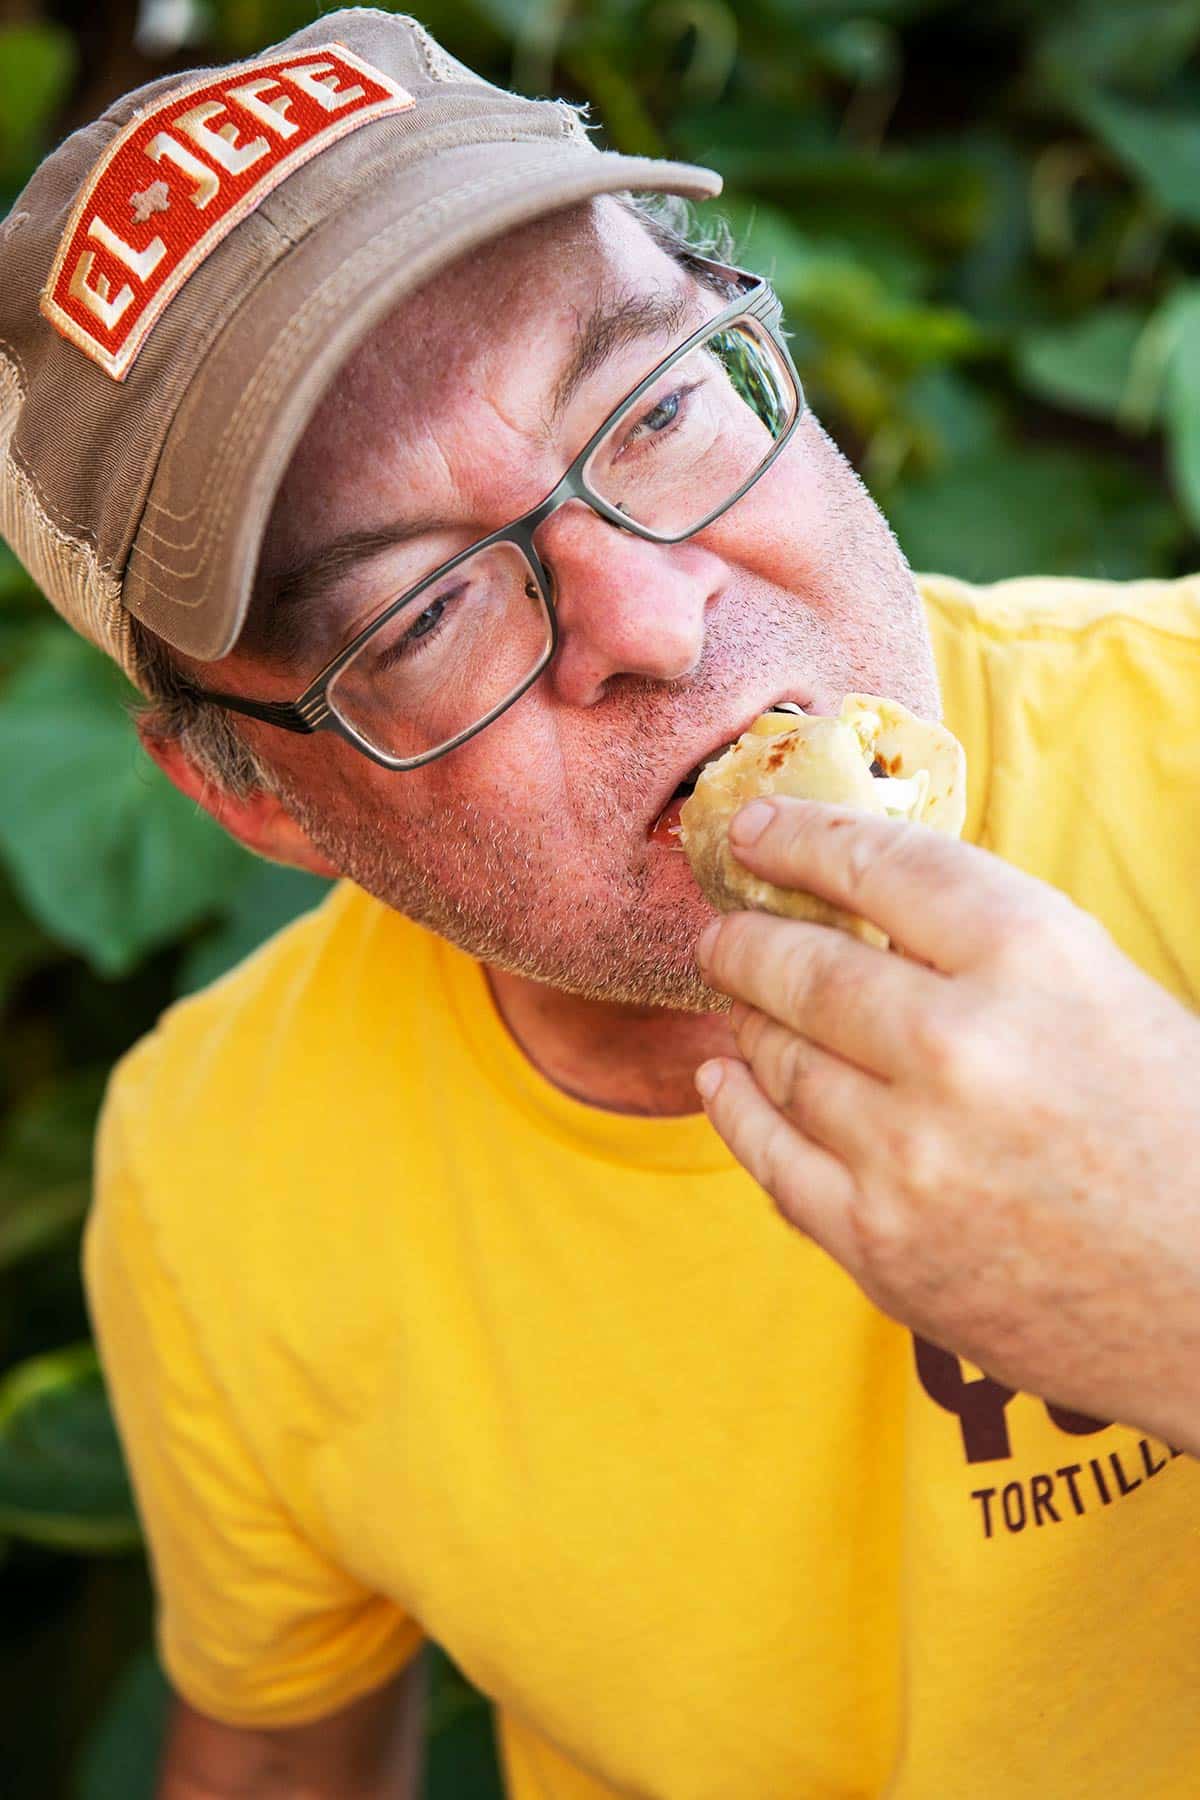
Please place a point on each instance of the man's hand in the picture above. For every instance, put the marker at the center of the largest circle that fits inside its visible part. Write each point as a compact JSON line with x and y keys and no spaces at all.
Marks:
{"x":997,"y":1134}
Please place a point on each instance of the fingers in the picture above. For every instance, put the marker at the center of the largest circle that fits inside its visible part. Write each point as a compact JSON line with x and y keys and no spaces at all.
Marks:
{"x":811,"y":1187}
{"x":868,"y":1007}
{"x":943,"y":901}
{"x":830,"y":1101}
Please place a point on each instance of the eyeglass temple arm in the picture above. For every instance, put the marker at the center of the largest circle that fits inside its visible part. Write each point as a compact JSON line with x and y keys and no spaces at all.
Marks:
{"x":284,"y":713}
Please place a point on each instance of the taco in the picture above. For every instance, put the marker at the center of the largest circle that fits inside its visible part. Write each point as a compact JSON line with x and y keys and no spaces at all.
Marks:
{"x":875,"y":756}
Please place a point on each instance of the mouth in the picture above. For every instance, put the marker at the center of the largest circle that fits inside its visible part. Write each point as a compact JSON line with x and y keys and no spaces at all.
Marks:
{"x":664,"y":829}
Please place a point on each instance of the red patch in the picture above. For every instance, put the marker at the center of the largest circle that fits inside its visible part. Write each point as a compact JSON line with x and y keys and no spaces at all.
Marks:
{"x":183,"y":173}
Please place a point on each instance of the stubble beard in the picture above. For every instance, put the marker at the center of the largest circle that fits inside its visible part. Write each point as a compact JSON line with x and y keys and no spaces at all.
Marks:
{"x":602,"y":932}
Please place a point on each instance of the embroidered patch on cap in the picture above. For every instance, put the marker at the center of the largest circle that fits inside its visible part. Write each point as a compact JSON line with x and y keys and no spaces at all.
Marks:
{"x":182,"y":174}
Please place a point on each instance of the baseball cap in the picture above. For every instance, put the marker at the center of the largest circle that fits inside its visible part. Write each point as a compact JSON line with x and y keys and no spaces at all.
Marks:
{"x":180,"y":281}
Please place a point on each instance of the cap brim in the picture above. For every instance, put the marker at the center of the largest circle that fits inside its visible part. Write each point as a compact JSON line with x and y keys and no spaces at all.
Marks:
{"x":191,"y":569}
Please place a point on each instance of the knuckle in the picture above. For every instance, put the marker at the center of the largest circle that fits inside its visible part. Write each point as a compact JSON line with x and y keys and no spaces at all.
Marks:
{"x":749,"y":1033}
{"x":1071,"y":932}
{"x":1048,"y":926}
{"x":797,"y":969}
{"x":725,"y":956}
{"x":913,"y":1157}
{"x":885,"y":1240}
{"x":777,"y":1165}
{"x":835,"y":982}
{"x":791,"y":1064}
{"x":776,"y":1057}
{"x":956,"y":1054}
{"x":861,"y":857}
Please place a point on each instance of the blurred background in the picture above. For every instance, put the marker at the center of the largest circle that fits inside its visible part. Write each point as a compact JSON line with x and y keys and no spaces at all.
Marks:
{"x":983,"y":217}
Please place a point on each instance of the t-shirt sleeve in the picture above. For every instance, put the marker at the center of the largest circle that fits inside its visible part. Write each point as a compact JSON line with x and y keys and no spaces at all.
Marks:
{"x":255,"y":1625}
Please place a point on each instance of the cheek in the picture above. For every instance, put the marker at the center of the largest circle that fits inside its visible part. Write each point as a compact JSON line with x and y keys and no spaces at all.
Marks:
{"x":780,"y":530}
{"x":511,"y":772}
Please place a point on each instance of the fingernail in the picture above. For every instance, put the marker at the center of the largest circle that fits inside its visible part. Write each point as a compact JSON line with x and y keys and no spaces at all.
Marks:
{"x":748,"y":825}
{"x":708,"y":1078}
{"x":706,"y":940}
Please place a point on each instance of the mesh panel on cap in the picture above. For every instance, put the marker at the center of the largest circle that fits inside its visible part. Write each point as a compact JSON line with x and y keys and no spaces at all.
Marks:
{"x":68,"y":571}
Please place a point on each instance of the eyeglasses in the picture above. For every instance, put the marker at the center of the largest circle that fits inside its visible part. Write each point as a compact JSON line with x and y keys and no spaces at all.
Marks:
{"x":438,"y":665}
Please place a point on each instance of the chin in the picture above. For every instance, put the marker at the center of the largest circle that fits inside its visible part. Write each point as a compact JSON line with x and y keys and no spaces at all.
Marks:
{"x":632,"y":947}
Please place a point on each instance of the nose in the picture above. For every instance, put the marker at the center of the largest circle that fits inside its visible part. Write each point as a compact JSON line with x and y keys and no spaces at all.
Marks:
{"x":625,"y":606}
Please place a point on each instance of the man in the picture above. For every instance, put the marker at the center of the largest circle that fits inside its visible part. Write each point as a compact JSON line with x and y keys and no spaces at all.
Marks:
{"x":452,"y":514}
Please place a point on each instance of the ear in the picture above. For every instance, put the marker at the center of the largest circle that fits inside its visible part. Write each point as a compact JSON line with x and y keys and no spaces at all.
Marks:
{"x":260,"y":821}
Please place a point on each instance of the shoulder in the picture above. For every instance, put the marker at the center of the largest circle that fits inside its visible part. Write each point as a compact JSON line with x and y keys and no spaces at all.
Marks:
{"x":241,"y":1061}
{"x":239,"y":1138}
{"x":1049,"y":606}
{"x":1076,"y":702}
{"x":1076,"y":654}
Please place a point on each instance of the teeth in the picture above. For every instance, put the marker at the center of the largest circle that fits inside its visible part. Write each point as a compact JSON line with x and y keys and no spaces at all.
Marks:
{"x":788,"y":706}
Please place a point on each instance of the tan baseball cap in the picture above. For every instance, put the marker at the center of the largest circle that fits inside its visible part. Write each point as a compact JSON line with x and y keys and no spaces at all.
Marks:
{"x":180,"y":281}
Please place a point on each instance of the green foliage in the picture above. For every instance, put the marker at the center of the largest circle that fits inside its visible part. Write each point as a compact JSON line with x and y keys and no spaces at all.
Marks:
{"x":983,"y":222}
{"x":108,"y":856}
{"x":37,"y":62}
{"x":62,"y":1480}
{"x":121,"y":1755}
{"x":45,"y":1164}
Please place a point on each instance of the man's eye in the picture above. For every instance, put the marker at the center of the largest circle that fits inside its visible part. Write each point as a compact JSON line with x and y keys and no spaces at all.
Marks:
{"x":424,"y":621}
{"x":425,"y":625}
{"x":664,"y":413}
{"x":672,"y":409}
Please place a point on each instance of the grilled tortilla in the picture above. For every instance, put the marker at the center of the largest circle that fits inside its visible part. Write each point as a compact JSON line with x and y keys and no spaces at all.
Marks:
{"x":876,"y":756}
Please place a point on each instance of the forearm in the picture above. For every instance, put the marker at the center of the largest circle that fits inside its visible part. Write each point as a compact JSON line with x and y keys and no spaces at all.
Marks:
{"x":371,"y":1750}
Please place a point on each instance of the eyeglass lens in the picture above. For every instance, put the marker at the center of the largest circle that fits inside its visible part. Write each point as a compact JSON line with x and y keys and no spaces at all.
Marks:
{"x":669,"y":460}
{"x":686,"y":445}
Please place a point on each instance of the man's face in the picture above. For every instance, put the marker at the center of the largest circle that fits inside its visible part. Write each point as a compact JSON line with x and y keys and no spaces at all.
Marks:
{"x":530,"y":845}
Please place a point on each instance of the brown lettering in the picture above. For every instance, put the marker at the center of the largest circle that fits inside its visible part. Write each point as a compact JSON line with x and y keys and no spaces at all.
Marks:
{"x":1078,"y":1424}
{"x":978,"y":1405}
{"x":984,"y":1496}
{"x":1104,"y":1493}
{"x":1126,"y":1487}
{"x":1017,"y":1492}
{"x":1151,"y":1468}
{"x":1040,"y":1489}
{"x":1068,"y":1475}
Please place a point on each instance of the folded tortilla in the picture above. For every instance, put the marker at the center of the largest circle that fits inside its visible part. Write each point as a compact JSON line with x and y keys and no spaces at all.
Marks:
{"x":922,"y":776}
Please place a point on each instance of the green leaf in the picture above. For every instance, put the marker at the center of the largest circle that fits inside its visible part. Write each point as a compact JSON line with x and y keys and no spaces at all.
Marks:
{"x":269,"y":898}
{"x":120,"y":1757}
{"x":940,"y":195}
{"x":1138,"y":46}
{"x":952,"y":420}
{"x":46,"y":1164}
{"x":1084,"y":366}
{"x":36,"y":66}
{"x":460,"y":1754}
{"x":1181,"y":397}
{"x":62,"y":1478}
{"x":1161,"y":148}
{"x":17,"y":591}
{"x":1025,"y":510}
{"x":23,"y":944}
{"x":106,"y":854}
{"x":825,"y":287}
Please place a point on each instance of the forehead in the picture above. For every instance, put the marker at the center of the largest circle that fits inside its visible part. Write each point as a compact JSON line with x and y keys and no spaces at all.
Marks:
{"x":495,"y":324}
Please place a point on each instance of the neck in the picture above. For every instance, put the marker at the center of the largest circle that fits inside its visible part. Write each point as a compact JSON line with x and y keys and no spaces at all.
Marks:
{"x":631,"y":1059}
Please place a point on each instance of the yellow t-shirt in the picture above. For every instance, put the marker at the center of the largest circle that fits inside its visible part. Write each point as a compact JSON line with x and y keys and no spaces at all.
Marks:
{"x":402,"y":1340}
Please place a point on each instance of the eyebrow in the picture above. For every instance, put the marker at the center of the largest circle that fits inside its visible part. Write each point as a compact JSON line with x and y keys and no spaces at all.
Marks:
{"x":281,"y":600}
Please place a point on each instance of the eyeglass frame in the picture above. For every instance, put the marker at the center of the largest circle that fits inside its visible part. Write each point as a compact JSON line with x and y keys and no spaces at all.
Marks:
{"x":312,"y":711}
